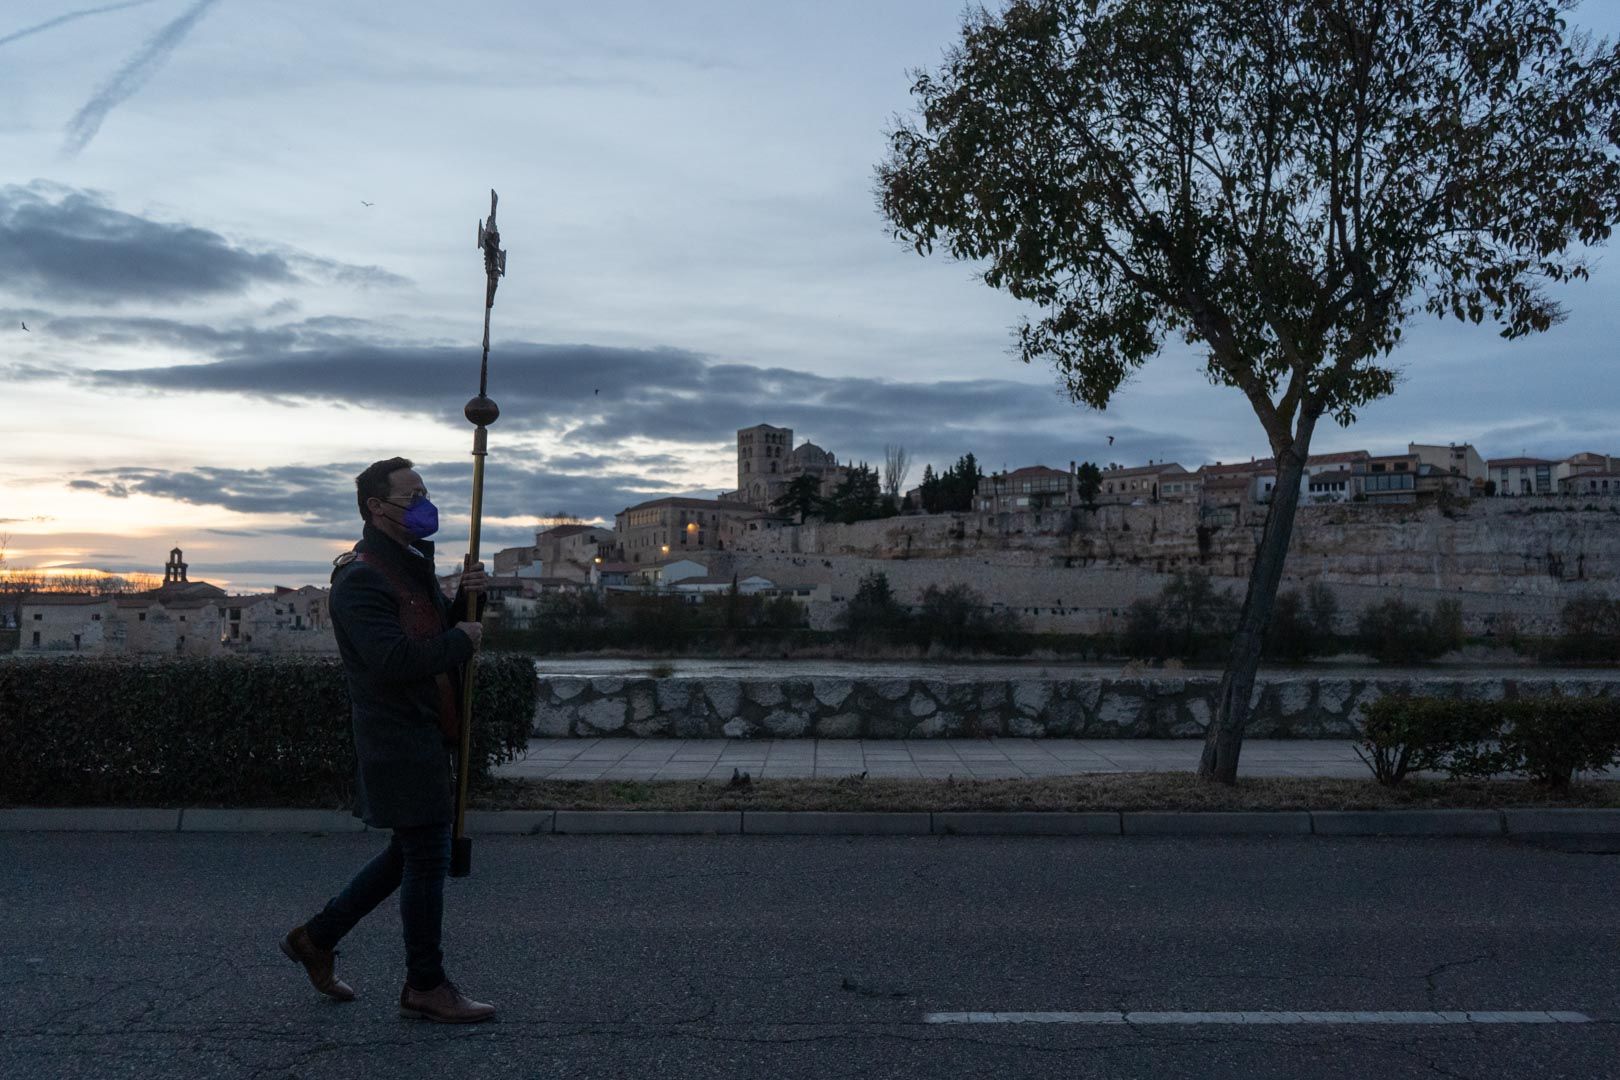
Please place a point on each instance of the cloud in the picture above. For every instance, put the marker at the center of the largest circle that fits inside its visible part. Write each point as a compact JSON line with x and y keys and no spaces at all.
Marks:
{"x":62,"y":244}
{"x":590,"y":410}
{"x":67,"y":18}
{"x":140,"y":67}
{"x":306,"y":569}
{"x":321,"y":499}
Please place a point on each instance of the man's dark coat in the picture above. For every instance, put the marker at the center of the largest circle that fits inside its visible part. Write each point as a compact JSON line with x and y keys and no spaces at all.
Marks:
{"x":405,"y":775}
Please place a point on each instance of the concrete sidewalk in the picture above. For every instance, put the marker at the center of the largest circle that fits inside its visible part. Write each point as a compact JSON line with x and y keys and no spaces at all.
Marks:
{"x":913,"y":759}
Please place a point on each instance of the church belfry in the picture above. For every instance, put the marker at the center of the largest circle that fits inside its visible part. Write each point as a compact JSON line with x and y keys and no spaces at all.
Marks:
{"x":174,"y":571}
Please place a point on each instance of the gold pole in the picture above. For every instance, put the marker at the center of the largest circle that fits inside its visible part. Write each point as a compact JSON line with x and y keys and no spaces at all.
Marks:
{"x":461,"y":845}
{"x":482,"y":412}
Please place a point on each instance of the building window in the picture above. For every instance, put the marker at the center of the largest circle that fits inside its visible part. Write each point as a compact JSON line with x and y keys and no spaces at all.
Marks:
{"x":38,"y":617}
{"x":36,"y":639}
{"x":95,"y":618}
{"x":142,"y":617}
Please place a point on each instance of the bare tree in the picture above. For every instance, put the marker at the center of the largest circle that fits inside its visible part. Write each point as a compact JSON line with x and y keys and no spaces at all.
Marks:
{"x":896,"y":464}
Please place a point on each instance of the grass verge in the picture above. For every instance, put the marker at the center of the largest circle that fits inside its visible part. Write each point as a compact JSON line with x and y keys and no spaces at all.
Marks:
{"x":1109,"y":791}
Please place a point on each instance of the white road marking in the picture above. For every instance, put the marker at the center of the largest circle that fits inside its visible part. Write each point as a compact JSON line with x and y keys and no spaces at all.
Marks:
{"x":1475,"y":1017}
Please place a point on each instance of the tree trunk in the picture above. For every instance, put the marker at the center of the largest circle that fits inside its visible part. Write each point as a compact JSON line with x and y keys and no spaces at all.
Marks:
{"x":1224,"y":740}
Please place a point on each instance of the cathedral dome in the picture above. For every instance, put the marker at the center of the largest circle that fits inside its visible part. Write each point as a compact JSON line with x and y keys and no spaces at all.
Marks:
{"x":811,"y":454}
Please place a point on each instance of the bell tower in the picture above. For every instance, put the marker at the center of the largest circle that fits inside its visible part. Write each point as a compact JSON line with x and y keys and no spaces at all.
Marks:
{"x":174,"y":571}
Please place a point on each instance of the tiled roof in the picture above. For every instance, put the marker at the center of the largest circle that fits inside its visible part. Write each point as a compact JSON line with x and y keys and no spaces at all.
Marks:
{"x":62,"y":600}
{"x":1142,"y":470}
{"x":1511,"y":462}
{"x":682,"y":501}
{"x":1239,"y":468}
{"x":1337,"y":457}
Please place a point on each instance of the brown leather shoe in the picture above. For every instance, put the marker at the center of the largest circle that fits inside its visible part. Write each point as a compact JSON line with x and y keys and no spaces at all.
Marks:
{"x":317,"y":964}
{"x":444,"y":1004}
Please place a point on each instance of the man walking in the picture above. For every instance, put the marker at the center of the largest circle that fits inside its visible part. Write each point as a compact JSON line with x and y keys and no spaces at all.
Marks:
{"x":403,"y":645}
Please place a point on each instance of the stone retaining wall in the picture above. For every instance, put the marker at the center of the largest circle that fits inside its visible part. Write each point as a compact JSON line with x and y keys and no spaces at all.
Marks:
{"x":1305,"y":707}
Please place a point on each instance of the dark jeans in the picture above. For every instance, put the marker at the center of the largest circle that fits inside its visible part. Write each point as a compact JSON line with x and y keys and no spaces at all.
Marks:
{"x":415,"y":862}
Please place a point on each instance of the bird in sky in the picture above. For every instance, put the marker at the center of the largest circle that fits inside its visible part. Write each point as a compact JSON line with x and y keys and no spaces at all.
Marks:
{"x":1110,"y":440}
{"x":598,"y":390}
{"x":25,"y":327}
{"x":364,"y":203}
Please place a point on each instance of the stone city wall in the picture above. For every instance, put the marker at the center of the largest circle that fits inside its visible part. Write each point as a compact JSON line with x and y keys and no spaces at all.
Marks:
{"x":1077,"y":571}
{"x":1088,"y":600}
{"x":1304,"y":707}
{"x":1526,"y":544}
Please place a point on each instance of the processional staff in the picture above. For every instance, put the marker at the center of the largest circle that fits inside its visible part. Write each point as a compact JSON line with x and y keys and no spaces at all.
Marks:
{"x":481,"y":412}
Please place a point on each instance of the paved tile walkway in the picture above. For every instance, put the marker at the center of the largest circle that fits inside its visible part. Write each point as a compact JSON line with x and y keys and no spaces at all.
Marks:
{"x":983,"y":759}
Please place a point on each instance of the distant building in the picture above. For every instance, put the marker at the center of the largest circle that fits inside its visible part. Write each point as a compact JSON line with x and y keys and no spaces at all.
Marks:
{"x":1593,"y":475}
{"x":1585,"y":464}
{"x":1122,"y":485}
{"x":1523,"y":475}
{"x":663,"y":575}
{"x":1034,"y":487}
{"x":179,"y":618}
{"x":61,"y":622}
{"x":563,"y":551}
{"x":1235,"y":484}
{"x":1391,"y":478}
{"x":1459,"y":459}
{"x":1592,"y":484}
{"x":1330,"y":487}
{"x":567,"y":551}
{"x":609,"y":575}
{"x":654,"y":531}
{"x":749,"y":585}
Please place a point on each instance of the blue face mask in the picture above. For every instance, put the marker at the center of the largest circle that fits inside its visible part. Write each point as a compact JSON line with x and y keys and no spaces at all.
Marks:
{"x":421,"y":519}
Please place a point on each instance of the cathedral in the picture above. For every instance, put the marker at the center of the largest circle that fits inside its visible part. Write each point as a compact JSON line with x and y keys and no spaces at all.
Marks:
{"x":767,"y":461}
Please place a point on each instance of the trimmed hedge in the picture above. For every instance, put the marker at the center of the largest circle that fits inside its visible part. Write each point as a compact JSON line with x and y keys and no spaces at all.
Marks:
{"x":1549,"y":739}
{"x":233,"y":731}
{"x":1412,"y":734}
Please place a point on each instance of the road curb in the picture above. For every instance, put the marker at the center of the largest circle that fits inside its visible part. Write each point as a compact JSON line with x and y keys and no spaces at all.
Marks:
{"x":647,"y":822}
{"x":1407,"y":822}
{"x":89,"y":819}
{"x":203,"y":819}
{"x":1329,"y":823}
{"x":511,"y":822}
{"x":836,"y":823}
{"x":1562,"y":822}
{"x":1026,"y":823}
{"x":1216,"y":823}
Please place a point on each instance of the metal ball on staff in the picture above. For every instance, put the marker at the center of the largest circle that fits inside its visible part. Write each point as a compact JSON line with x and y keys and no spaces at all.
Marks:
{"x":481,"y":411}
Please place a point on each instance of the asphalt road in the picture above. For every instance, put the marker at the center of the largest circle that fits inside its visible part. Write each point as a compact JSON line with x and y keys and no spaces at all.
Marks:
{"x":155,"y":956}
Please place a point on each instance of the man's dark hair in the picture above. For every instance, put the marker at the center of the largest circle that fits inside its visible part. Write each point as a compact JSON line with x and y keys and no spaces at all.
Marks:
{"x":373,"y":483}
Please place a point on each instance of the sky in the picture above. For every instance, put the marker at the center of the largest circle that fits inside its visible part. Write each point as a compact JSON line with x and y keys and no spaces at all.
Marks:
{"x":221,"y":333}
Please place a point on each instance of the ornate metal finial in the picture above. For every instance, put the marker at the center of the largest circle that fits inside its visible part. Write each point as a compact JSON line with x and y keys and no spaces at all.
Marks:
{"x":489,"y":238}
{"x":481,"y":410}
